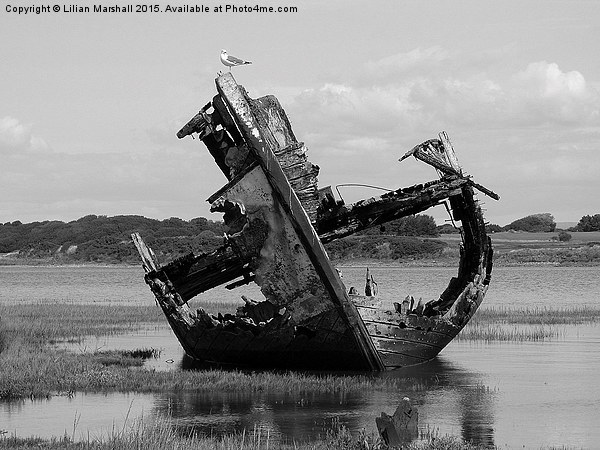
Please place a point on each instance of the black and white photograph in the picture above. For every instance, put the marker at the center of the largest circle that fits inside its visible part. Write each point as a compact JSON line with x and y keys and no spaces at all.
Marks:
{"x":300,"y":224}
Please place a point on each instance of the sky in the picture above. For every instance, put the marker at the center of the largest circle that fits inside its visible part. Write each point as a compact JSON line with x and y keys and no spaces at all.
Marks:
{"x":90,"y":103}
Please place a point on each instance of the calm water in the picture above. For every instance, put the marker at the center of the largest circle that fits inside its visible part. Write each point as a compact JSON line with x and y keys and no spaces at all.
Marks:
{"x":528,"y":286}
{"x":505,"y":394}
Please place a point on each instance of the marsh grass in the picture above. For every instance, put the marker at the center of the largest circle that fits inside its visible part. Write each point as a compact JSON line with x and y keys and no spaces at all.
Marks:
{"x":529,"y":324}
{"x":125,"y":358}
{"x":29,"y":367}
{"x":491,"y":332}
{"x":538,"y":315}
{"x":49,"y":322}
{"x":162,"y":433}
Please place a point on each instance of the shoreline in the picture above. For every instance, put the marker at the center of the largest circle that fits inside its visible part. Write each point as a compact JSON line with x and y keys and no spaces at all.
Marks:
{"x":510,"y":250}
{"x":350,"y":263}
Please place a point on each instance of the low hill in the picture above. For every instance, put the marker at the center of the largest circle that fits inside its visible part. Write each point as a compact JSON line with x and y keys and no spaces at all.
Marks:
{"x":107,"y":240}
{"x":102,"y":239}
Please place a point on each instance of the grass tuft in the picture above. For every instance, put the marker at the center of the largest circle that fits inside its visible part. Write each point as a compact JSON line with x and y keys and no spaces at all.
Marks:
{"x":125,"y":358}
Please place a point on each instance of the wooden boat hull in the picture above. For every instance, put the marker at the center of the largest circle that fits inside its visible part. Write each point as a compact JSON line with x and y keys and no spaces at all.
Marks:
{"x":330,"y":346}
{"x":406,"y":341}
{"x":277,"y":220}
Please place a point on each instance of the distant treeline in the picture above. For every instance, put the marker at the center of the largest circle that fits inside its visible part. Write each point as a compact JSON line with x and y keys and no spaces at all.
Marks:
{"x":544,"y":222}
{"x":385,"y":247}
{"x":102,"y":239}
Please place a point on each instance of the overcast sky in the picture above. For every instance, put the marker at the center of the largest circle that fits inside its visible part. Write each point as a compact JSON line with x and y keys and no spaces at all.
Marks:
{"x":90,"y":103}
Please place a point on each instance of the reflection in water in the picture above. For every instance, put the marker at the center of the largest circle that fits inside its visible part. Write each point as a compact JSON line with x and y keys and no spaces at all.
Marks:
{"x":79,"y":417}
{"x":283,"y":416}
{"x":446,"y":395}
{"x":466,"y":400}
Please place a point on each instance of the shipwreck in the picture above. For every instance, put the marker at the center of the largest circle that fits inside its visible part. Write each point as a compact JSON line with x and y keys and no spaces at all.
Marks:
{"x":278,"y":220}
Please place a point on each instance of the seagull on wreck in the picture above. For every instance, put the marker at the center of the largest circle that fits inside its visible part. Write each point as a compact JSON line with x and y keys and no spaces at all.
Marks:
{"x":231,"y":61}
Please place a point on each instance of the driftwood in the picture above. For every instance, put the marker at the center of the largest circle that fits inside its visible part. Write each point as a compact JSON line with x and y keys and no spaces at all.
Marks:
{"x":277,"y":220}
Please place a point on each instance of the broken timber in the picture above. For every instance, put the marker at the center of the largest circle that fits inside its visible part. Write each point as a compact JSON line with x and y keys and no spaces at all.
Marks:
{"x":277,"y":222}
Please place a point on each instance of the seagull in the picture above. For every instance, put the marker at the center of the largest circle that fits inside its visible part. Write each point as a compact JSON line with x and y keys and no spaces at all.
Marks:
{"x":231,"y":61}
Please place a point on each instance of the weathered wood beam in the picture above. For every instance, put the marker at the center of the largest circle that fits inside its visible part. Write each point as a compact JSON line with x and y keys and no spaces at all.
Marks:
{"x":439,"y":153}
{"x":205,"y":272}
{"x":376,"y":211}
{"x":197,"y":124}
{"x":485,"y":190}
{"x":149,"y":260}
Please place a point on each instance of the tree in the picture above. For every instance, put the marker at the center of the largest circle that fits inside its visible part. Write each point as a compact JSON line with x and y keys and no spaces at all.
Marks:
{"x":447,"y":229}
{"x":107,"y":239}
{"x":535,"y":223}
{"x":385,"y":247}
{"x":493,"y":228}
{"x":563,"y":236}
{"x":589,"y":223}
{"x":419,"y":225}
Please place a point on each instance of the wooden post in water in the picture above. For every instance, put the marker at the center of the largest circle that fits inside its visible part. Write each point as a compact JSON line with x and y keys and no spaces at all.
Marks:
{"x":402,"y":427}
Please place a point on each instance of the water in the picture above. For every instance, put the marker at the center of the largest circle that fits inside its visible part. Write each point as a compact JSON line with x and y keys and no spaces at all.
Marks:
{"x":505,"y":394}
{"x":89,"y":285}
{"x":512,"y":287}
{"x":81,"y":284}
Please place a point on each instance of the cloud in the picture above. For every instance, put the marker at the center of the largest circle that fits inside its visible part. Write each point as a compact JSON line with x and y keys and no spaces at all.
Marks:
{"x":16,"y":137}
{"x":547,"y":94}
{"x":163,"y":181}
{"x":414,"y":63}
{"x":517,"y":127}
{"x":551,"y":82}
{"x":433,"y":88}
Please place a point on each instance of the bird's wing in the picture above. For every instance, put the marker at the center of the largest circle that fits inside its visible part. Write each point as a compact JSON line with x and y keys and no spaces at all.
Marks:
{"x":235,"y":60}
